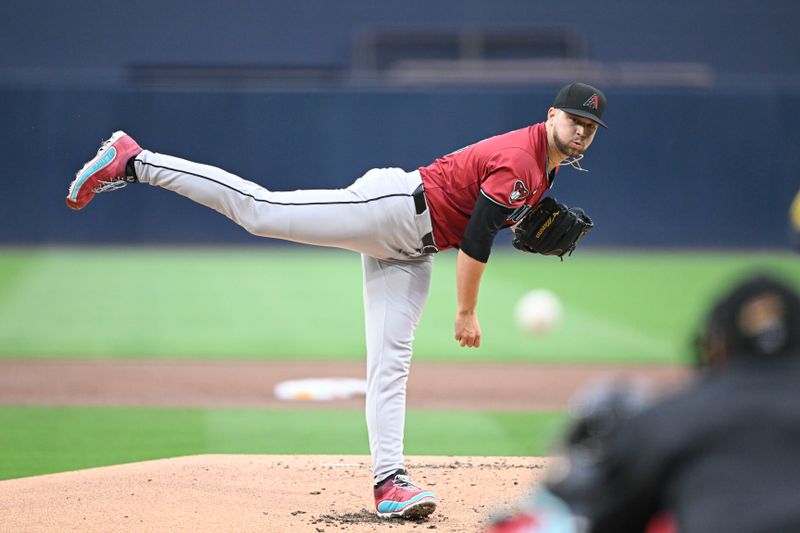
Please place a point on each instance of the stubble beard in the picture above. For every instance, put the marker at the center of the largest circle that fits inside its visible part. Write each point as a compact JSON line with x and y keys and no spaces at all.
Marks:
{"x":564,"y":148}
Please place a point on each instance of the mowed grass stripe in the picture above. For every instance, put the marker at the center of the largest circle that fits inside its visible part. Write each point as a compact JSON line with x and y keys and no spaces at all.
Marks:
{"x":41,"y":440}
{"x":274,"y":303}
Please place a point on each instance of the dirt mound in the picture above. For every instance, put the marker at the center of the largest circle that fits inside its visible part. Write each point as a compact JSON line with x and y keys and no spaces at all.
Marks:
{"x":259,"y":493}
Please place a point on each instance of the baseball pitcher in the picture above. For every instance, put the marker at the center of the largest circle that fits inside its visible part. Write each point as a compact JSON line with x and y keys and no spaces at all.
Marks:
{"x":397,"y":221}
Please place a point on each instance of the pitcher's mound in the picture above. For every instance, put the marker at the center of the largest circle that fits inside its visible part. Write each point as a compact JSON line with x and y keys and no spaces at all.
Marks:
{"x":259,"y":493}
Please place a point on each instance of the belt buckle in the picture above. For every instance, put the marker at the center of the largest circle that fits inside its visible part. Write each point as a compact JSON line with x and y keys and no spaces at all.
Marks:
{"x":428,"y":244}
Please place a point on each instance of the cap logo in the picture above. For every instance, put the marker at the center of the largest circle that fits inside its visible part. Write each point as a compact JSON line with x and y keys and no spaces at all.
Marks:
{"x":593,"y":102}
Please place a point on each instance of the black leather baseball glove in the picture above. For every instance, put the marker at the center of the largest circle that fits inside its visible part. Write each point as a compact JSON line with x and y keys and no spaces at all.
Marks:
{"x":551,"y":228}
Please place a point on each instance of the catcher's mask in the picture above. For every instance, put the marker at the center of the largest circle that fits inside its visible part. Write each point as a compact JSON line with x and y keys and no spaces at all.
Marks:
{"x":758,"y":318}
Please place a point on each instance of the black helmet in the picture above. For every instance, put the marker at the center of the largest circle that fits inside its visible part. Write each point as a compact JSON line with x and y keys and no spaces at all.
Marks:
{"x":758,"y":318}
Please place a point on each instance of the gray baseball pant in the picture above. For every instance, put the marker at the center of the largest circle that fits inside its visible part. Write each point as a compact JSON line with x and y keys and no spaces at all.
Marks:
{"x":375,"y":216}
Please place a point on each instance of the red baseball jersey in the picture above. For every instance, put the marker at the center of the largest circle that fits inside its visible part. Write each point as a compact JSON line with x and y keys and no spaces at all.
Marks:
{"x":510,"y":169}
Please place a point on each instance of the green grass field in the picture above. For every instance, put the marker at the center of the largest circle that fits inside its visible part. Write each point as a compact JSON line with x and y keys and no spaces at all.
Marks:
{"x":278,"y":303}
{"x":40,"y":440}
{"x":273,"y":303}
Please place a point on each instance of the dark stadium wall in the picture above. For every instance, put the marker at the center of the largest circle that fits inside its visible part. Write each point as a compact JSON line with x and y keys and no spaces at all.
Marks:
{"x":711,"y":164}
{"x":675,"y":168}
{"x":89,"y":40}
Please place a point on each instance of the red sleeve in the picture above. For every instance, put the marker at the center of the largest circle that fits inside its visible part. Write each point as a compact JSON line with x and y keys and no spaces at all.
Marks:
{"x":510,"y":178}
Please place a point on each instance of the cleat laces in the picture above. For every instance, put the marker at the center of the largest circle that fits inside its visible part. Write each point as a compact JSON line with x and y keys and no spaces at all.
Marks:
{"x":404,"y":482}
{"x":110,"y":186}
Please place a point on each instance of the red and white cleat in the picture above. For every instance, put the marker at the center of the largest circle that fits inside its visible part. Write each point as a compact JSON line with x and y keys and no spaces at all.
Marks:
{"x":398,"y":497}
{"x":105,"y":172}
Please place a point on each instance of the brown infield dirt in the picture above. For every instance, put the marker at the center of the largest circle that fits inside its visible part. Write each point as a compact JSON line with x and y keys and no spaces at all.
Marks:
{"x":278,"y":493}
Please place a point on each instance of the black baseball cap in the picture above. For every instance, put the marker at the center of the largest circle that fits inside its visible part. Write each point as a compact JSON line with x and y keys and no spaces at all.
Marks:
{"x":582,"y":100}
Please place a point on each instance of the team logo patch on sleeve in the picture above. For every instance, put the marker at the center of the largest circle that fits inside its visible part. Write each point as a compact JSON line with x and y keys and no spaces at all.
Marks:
{"x":519,"y":192}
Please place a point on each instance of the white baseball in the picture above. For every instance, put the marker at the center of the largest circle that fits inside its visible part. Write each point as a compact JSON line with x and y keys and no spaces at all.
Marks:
{"x":538,"y":311}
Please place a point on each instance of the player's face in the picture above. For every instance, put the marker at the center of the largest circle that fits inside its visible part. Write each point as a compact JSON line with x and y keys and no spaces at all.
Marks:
{"x":572,"y":134}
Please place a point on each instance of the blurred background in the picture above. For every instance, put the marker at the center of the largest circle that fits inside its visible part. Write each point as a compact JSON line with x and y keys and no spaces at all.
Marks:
{"x":690,"y":185}
{"x":703,"y":99}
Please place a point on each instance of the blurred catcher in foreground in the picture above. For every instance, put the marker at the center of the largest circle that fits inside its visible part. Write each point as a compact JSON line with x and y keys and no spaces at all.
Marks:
{"x":719,"y":456}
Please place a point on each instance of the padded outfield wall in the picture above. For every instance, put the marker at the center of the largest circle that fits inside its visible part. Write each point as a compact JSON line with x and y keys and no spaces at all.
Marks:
{"x":710,"y":167}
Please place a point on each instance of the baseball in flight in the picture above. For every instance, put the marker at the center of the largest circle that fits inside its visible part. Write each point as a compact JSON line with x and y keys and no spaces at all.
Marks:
{"x":538,"y":311}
